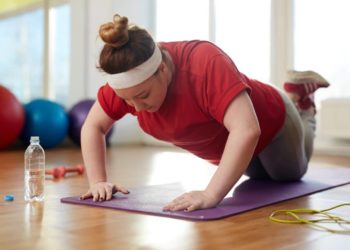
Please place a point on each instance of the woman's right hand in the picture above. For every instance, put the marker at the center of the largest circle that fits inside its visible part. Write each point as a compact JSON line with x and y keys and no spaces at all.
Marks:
{"x":102,"y":191}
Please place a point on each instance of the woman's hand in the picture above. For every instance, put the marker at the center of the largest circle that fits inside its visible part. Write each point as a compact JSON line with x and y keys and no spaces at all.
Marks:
{"x":192,"y":201}
{"x":102,"y":191}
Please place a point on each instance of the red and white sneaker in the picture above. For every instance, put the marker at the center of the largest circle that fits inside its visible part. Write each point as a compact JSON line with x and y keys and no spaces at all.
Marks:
{"x":301,"y":85}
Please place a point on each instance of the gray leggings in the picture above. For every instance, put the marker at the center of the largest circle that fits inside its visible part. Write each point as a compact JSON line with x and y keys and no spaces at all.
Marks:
{"x":286,"y":157}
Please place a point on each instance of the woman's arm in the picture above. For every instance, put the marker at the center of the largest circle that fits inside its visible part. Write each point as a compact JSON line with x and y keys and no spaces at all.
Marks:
{"x":93,"y":146}
{"x":244,"y":131}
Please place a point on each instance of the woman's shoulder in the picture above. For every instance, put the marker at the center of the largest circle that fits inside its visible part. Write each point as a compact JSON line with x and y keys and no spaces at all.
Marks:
{"x":190,"y":46}
{"x":189,"y":52}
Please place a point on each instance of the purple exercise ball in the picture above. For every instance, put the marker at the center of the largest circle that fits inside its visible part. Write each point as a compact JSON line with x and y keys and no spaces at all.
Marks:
{"x":77,"y":116}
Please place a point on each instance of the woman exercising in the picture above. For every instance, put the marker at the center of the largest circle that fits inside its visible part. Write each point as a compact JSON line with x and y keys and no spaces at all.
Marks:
{"x":192,"y":95}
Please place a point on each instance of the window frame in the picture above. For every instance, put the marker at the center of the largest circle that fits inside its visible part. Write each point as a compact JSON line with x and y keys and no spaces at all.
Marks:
{"x":46,"y":5}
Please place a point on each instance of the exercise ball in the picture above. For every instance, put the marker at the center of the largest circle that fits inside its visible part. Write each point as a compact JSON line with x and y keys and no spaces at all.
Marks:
{"x":77,"y":116}
{"x":46,"y":119}
{"x":11,"y":117}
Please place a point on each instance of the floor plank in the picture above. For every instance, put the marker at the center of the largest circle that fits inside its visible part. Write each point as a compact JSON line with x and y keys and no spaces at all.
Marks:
{"x":53,"y":225}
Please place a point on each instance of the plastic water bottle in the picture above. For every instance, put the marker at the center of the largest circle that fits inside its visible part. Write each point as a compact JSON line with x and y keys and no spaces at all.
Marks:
{"x":34,"y":171}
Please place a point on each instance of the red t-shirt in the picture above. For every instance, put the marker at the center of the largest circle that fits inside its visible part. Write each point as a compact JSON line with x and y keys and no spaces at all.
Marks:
{"x":205,"y":82}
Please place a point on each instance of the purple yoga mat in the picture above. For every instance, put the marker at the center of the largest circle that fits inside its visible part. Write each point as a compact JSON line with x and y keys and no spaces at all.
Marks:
{"x":248,"y":195}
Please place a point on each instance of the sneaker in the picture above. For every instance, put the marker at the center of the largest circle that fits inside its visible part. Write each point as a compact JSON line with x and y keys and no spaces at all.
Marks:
{"x":306,"y":103}
{"x":302,"y":85}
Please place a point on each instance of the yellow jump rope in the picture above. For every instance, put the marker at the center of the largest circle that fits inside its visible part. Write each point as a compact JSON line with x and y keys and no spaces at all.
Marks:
{"x":293,"y":216}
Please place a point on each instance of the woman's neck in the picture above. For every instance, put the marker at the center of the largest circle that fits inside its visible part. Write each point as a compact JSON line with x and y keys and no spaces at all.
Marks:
{"x":170,"y":64}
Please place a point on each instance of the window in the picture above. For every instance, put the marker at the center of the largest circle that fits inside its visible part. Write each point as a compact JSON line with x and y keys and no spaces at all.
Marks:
{"x":241,"y":31}
{"x":22,"y":61}
{"x":59,"y":52}
{"x":175,"y":20}
{"x":322,"y":42}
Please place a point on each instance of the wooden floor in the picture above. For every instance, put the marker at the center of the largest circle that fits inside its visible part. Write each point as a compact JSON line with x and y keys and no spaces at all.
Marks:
{"x":54,"y":225}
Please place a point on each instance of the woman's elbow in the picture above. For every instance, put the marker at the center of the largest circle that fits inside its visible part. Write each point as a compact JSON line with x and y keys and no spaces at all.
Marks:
{"x":257,"y":131}
{"x":254,"y":132}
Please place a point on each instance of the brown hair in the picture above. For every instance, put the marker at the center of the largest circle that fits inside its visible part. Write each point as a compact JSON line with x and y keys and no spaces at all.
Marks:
{"x":126,"y":46}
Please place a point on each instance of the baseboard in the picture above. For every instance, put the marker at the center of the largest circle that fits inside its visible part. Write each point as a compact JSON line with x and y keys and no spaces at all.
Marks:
{"x":331,"y":146}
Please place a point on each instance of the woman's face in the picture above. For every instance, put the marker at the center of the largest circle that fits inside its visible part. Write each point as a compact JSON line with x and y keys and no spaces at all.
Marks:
{"x":150,"y":94}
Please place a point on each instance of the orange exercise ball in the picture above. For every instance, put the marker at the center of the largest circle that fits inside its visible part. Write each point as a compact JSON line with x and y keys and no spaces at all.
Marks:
{"x":12,"y":117}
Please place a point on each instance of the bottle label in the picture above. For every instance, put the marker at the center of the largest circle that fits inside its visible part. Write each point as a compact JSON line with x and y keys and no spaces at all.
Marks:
{"x":34,"y":184}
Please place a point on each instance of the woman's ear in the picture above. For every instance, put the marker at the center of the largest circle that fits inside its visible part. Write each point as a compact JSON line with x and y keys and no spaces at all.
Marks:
{"x":162,"y":66}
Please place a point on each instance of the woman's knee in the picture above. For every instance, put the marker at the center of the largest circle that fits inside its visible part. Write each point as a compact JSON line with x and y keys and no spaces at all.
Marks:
{"x":294,"y":175}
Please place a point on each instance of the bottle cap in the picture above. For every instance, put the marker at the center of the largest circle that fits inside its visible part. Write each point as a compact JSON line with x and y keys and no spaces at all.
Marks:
{"x":34,"y":139}
{"x":9,"y":197}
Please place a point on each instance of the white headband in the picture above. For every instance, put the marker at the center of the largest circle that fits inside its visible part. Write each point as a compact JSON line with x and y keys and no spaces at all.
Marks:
{"x":138,"y":74}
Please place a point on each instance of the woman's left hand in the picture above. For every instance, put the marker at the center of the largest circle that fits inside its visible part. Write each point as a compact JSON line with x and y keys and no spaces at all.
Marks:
{"x":191,"y":201}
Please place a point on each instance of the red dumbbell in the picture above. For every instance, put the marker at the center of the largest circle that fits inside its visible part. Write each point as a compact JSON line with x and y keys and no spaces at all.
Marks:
{"x":61,"y":171}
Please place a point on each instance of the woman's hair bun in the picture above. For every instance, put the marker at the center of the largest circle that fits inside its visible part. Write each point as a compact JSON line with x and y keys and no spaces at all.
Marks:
{"x":115,"y":33}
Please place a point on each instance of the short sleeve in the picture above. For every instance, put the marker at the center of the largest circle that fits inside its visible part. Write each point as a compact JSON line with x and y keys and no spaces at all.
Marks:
{"x":224,"y":82}
{"x":112,"y":105}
